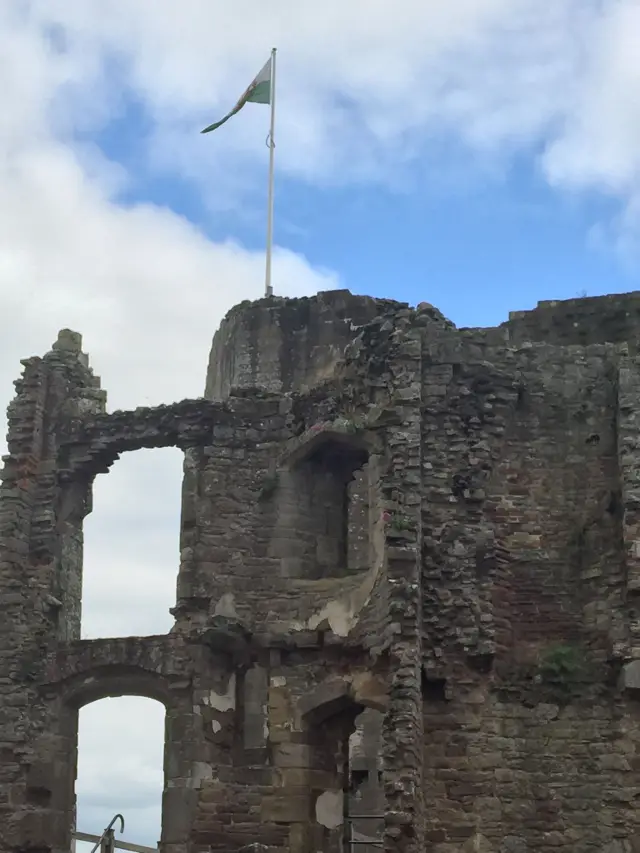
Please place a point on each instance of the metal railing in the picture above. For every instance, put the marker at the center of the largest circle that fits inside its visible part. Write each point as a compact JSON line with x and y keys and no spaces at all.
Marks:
{"x":372,"y":842}
{"x":108,"y":843}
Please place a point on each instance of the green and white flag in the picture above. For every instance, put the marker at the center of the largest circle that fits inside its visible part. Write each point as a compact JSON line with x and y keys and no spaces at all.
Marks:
{"x":259,"y":92}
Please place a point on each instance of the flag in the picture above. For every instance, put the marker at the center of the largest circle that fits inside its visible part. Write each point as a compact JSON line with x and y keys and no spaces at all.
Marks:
{"x":259,"y":92}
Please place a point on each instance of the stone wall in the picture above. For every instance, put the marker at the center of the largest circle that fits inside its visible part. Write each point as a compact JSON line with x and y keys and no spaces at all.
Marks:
{"x":516,"y":776}
{"x":286,"y":344}
{"x":408,"y":584}
{"x":584,"y":321}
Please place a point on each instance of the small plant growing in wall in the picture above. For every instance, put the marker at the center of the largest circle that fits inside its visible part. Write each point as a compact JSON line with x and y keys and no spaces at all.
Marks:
{"x":268,"y":487}
{"x":345,"y":425}
{"x":399,"y":522}
{"x":563,"y":668}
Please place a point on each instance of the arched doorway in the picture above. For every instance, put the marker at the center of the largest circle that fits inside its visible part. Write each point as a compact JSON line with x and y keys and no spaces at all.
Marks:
{"x":120,"y":768}
{"x":173,"y":782}
{"x":343,"y":720}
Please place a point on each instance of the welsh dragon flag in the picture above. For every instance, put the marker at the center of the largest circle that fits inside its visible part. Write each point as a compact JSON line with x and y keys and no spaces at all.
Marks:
{"x":259,"y":92}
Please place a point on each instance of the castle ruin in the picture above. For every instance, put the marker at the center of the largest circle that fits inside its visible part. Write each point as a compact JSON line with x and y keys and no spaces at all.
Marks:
{"x":408,"y":598}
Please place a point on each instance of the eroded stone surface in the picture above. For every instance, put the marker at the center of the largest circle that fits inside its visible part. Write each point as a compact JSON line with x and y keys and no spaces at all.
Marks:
{"x":408,"y":583}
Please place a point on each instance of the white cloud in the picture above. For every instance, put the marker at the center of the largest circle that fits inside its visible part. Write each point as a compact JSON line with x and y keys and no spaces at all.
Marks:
{"x":598,"y":145}
{"x":147,"y":289}
{"x":365,"y":88}
{"x":115,"y":774}
{"x":495,"y":73}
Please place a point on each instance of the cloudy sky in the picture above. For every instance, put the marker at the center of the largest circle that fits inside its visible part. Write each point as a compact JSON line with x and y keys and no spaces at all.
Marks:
{"x":478,"y":154}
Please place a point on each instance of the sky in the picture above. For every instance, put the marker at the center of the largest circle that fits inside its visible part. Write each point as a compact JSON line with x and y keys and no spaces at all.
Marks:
{"x":481,"y":155}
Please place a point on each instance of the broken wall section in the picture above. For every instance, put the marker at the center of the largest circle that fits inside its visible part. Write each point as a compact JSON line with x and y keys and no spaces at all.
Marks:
{"x":41,"y":568}
{"x":288,"y":733}
{"x":614,"y":318}
{"x":391,"y":352}
{"x":284,"y":345}
{"x":468,"y":404}
{"x":228,"y":515}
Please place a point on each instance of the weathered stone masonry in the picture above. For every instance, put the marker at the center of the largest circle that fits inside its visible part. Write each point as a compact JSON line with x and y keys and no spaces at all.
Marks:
{"x":409,"y":584}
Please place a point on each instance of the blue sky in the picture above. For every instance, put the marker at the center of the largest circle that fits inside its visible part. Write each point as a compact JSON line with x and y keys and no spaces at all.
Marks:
{"x":477,"y":242}
{"x":481,"y":155}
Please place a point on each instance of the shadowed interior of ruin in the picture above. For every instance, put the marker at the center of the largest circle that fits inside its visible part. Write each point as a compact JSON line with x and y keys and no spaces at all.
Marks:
{"x":328,"y":500}
{"x":407,"y":595}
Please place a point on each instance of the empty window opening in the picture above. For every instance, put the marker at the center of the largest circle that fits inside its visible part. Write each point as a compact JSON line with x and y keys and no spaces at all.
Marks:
{"x":120,"y":769}
{"x":131,"y":546}
{"x":326,"y":508}
{"x":365,"y":792}
{"x":347,"y":744}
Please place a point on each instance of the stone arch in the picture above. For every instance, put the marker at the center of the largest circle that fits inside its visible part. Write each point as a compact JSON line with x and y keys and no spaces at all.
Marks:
{"x":113,"y":681}
{"x":89,"y":446}
{"x":82,"y":679}
{"x":330,"y":714}
{"x":312,"y":441}
{"x":96,"y":443}
{"x":335,"y":694}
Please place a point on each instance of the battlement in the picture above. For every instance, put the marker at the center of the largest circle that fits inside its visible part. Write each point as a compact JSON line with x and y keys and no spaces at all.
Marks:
{"x":613,"y":318}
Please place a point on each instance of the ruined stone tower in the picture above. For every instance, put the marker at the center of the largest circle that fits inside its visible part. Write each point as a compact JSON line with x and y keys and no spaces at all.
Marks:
{"x":409,"y":586}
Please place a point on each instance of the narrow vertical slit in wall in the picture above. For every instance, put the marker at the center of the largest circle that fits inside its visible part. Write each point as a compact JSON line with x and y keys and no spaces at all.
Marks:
{"x":344,"y":535}
{"x":359,"y":520}
{"x":131,"y":546}
{"x":120,"y":768}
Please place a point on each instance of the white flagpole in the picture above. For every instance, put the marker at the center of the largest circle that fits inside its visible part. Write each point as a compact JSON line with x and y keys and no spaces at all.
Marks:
{"x":268,"y":289}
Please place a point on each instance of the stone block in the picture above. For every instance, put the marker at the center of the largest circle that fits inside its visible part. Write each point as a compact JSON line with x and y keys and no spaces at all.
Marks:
{"x":41,"y":776}
{"x":280,"y":713}
{"x":292,"y":755}
{"x":43,"y":828}
{"x":329,"y":809}
{"x":291,"y":805}
{"x":289,"y":777}
{"x":178,"y":809}
{"x":630,"y":677}
{"x":324,"y":700}
{"x":256,"y":692}
{"x":371,"y":691}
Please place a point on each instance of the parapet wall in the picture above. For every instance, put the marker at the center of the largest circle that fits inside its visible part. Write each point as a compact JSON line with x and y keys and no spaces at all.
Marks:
{"x":285,"y":345}
{"x":591,"y":320}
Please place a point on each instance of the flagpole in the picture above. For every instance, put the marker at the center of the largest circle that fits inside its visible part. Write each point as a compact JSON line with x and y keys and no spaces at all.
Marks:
{"x":268,"y":289}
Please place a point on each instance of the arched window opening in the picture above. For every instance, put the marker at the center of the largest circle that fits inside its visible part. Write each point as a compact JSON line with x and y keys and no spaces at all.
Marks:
{"x":131,"y":546}
{"x":325,"y":512}
{"x":120,"y":768}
